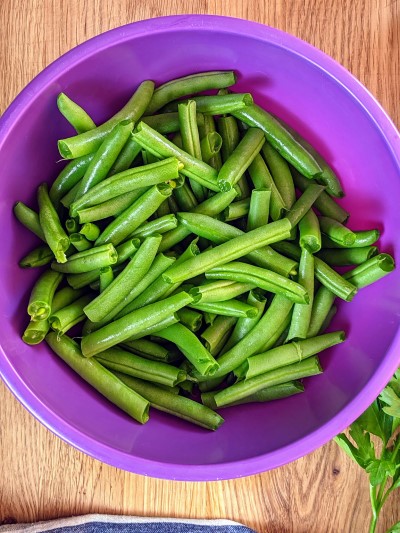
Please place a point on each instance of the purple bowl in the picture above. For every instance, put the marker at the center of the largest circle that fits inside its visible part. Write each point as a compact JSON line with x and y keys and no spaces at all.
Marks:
{"x":335,"y":113}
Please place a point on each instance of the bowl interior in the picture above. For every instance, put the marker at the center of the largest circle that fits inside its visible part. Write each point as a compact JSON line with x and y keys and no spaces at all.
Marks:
{"x":328,"y":114}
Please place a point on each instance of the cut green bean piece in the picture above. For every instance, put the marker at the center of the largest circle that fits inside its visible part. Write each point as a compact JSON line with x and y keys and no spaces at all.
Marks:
{"x":310,"y":233}
{"x":88,"y":142}
{"x":362,"y":239}
{"x":219,"y":104}
{"x":191,"y":347}
{"x":69,"y":177}
{"x":216,"y":334}
{"x":337,"y":232}
{"x":206,"y":129}
{"x":262,"y":179}
{"x":113,"y":207}
{"x":158,"y":225}
{"x":276,"y":392}
{"x":40,"y":301}
{"x":229,"y":132}
{"x":242,"y":389}
{"x":290,"y":353}
{"x":323,"y":302}
{"x":372,"y":270}
{"x":237,"y":210}
{"x":161,"y":147}
{"x":281,"y":175}
{"x":42,"y":255}
{"x":262,"y":278}
{"x":108,"y":303}
{"x":227,"y":308}
{"x":69,"y":198}
{"x":133,"y":365}
{"x":126,"y":157}
{"x":192,"y":84}
{"x":64,"y":319}
{"x":219,"y":291}
{"x":90,"y":231}
{"x":174,"y":404}
{"x":100,"y":378}
{"x":106,"y":277}
{"x":149,"y":350}
{"x":280,"y":139}
{"x":190,"y":318}
{"x":71,"y":225}
{"x":92,"y":259}
{"x":185,"y":198}
{"x":259,"y":208}
{"x":53,"y":231}
{"x":79,"y":242}
{"x":132,"y":324}
{"x":304,"y":203}
{"x":76,"y":116}
{"x":229,"y":251}
{"x":240,"y":159}
{"x":210,"y":146}
{"x":301,"y":315}
{"x":125,"y":224}
{"x":325,"y":204}
{"x":347,"y":256}
{"x":168,"y":122}
{"x":127,"y":181}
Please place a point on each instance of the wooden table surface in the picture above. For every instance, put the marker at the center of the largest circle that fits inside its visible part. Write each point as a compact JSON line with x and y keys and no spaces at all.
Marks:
{"x":41,"y":477}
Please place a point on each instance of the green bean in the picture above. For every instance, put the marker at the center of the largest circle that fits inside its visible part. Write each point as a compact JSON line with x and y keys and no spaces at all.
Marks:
{"x":79,"y":242}
{"x":216,"y":334}
{"x":185,"y":197}
{"x":347,"y":256}
{"x":219,"y":291}
{"x":262,"y":179}
{"x":236,"y":210}
{"x":71,"y":225}
{"x":362,"y":239}
{"x":250,"y":344}
{"x":100,"y":378}
{"x":133,"y":323}
{"x":290,"y":353}
{"x":302,"y":313}
{"x":240,"y":159}
{"x":39,"y":256}
{"x":337,"y":232}
{"x":88,"y":142}
{"x":108,"y":302}
{"x":281,"y":175}
{"x":174,"y":404}
{"x":192,"y":84}
{"x":193,"y":168}
{"x":229,"y":132}
{"x":191,"y":347}
{"x":54,"y":233}
{"x":29,"y":218}
{"x":113,"y":207}
{"x":229,"y":251}
{"x":280,"y":139}
{"x":91,"y":259}
{"x":259,"y":208}
{"x":64,"y":319}
{"x":134,"y":216}
{"x":149,"y":350}
{"x":177,"y":140}
{"x":39,"y":306}
{"x":370,"y":271}
{"x":276,"y":392}
{"x":168,"y":122}
{"x":69,"y":177}
{"x":325,"y":204}
{"x":211,"y":207}
{"x":220,"y":104}
{"x":127,"y":181}
{"x":106,"y":277}
{"x":210,"y":384}
{"x":262,"y":278}
{"x":244,"y":325}
{"x":76,"y":116}
{"x":126,"y":157}
{"x":90,"y":231}
{"x":205,"y":130}
{"x":278,"y":337}
{"x":68,"y":199}
{"x":304,"y":203}
{"x":227,"y":308}
{"x":310,"y":233}
{"x":220,"y":232}
{"x":172,"y":318}
{"x":242,"y":389}
{"x":133,"y":365}
{"x":173,"y":206}
{"x":190,"y":318}
{"x":210,"y":145}
{"x":158,"y":225}
{"x":323,"y":301}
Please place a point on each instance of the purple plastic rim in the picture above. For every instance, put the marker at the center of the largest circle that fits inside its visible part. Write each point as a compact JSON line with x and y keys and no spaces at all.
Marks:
{"x":382,"y":375}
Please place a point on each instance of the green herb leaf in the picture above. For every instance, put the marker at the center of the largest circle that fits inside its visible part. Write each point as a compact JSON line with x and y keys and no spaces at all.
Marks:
{"x":392,"y":399}
{"x":375,"y":421}
{"x":378,"y":469}
{"x":364,"y":452}
{"x":394,"y":529}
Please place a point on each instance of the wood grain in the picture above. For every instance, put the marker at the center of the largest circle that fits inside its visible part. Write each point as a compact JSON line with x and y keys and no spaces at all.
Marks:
{"x":41,"y":477}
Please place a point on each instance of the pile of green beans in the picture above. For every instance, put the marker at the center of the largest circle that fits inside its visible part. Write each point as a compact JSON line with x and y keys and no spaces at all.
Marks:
{"x":190,"y":248}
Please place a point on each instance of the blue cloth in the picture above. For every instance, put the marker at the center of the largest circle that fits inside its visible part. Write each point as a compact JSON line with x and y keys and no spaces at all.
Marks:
{"x":97,"y":523}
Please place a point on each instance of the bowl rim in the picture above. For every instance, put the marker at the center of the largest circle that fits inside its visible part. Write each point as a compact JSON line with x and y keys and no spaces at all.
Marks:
{"x":313,"y":440}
